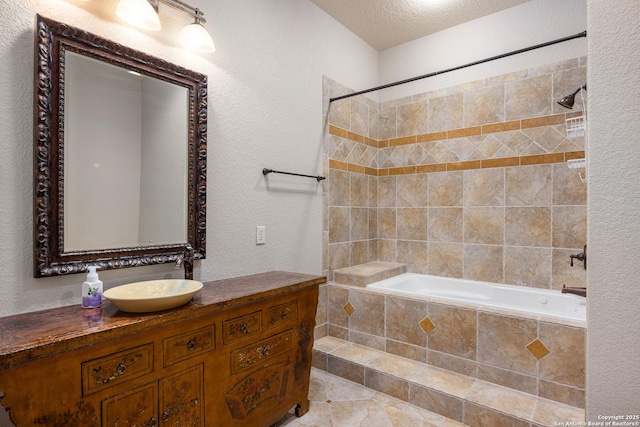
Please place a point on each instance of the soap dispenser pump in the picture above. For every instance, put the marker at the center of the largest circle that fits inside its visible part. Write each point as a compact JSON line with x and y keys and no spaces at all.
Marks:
{"x":92,"y":289}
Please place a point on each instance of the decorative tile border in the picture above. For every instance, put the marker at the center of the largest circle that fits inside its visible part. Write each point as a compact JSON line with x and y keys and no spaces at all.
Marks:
{"x":456,"y":166}
{"x":555,"y":119}
{"x":551,"y":120}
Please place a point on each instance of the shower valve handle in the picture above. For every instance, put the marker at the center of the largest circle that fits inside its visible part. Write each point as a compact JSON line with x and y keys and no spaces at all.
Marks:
{"x":579,"y":257}
{"x":582,"y":257}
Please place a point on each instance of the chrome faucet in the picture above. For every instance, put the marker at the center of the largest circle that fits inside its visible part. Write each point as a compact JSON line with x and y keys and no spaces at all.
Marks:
{"x":186,"y":260}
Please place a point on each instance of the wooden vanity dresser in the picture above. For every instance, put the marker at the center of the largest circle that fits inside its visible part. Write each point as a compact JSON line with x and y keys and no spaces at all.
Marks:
{"x":239,"y":354}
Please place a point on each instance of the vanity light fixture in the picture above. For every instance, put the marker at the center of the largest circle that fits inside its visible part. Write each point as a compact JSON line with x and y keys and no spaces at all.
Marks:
{"x":139,"y":13}
{"x":195,"y":36}
{"x":144,"y":14}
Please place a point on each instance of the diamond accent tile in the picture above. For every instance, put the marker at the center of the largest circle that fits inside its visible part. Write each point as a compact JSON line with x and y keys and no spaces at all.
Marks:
{"x":538,"y":349}
{"x":440,"y":152}
{"x":383,"y":159}
{"x":518,"y":142}
{"x":429,"y":145}
{"x":355,"y":156}
{"x":416,"y":155}
{"x":534,"y":133}
{"x":570,"y":145}
{"x":343,"y":150}
{"x":428,"y":160}
{"x":462,"y":147}
{"x":533,"y":149}
{"x":369,"y":157}
{"x":550,"y":139}
{"x":427,"y":325}
{"x":349,"y":308}
{"x":504,"y":152}
{"x":487,"y":148}
{"x":399,"y":155}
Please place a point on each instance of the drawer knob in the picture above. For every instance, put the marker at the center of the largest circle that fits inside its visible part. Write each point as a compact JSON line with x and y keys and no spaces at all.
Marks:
{"x":194,"y":401}
{"x":120,"y":368}
{"x":283,"y":314}
{"x":152,"y":421}
{"x":191,"y":344}
{"x":165,"y":416}
{"x":244,"y":329}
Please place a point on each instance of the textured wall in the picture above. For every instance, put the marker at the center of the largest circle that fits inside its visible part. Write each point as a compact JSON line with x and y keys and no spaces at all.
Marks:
{"x":265,"y":97}
{"x":613,"y":347}
{"x":528,"y":24}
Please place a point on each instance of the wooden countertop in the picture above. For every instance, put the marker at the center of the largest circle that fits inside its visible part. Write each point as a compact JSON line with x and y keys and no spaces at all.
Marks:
{"x":27,"y":336}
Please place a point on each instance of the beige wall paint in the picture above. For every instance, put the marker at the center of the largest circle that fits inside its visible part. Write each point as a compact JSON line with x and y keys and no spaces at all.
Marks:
{"x":265,"y":92}
{"x":528,"y":24}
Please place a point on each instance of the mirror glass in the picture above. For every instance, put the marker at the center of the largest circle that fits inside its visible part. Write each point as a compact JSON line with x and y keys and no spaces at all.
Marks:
{"x":119,"y":153}
{"x":126,"y":185}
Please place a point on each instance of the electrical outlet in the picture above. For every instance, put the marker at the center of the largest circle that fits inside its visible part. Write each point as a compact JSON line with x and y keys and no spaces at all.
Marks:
{"x":261,"y":235}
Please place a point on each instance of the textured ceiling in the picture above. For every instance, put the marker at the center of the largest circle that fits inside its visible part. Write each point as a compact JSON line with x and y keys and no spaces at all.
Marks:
{"x":387,"y":23}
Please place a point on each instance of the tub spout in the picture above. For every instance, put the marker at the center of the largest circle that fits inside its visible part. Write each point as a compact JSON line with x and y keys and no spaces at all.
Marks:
{"x":574,"y":290}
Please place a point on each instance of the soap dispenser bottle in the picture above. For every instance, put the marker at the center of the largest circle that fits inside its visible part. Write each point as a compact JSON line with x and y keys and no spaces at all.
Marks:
{"x":92,"y":289}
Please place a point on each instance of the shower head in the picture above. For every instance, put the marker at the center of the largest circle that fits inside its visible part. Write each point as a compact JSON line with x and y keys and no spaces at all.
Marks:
{"x":568,"y":100}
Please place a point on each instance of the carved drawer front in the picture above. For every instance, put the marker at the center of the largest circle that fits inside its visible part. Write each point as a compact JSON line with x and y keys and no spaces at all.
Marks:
{"x":116,"y":368}
{"x":256,"y":389}
{"x":184,"y":346}
{"x":283,"y":313}
{"x":260,"y":352}
{"x":241,"y":327}
{"x":182,"y":399}
{"x":138,"y":407}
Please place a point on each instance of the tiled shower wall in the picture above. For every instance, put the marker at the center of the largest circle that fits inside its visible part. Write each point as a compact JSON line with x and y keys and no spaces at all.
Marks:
{"x":468,"y":182}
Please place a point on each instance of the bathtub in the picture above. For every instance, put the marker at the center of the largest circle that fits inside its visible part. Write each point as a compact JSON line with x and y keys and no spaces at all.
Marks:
{"x":534,"y":301}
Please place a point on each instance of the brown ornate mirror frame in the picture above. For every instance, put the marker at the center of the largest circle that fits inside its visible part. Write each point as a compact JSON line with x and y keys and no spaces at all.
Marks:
{"x":50,"y":259}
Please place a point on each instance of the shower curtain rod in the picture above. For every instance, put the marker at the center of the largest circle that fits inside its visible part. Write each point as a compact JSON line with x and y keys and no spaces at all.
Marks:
{"x":482,"y":61}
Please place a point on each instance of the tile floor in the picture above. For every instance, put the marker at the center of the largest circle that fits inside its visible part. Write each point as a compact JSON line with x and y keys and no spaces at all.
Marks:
{"x":336,"y":402}
{"x":466,"y":399}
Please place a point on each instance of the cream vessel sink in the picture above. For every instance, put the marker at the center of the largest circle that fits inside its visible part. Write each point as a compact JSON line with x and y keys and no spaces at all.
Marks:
{"x":152,"y":295}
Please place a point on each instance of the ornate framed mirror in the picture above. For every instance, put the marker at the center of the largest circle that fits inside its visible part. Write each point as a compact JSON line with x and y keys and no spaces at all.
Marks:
{"x":120,"y":154}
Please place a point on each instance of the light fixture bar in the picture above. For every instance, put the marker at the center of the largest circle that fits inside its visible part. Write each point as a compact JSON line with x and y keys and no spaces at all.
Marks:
{"x":144,"y":14}
{"x":176,"y":4}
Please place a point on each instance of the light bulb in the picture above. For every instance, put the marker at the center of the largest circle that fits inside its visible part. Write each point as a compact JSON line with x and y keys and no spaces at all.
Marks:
{"x":195,"y":37}
{"x":139,"y":13}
